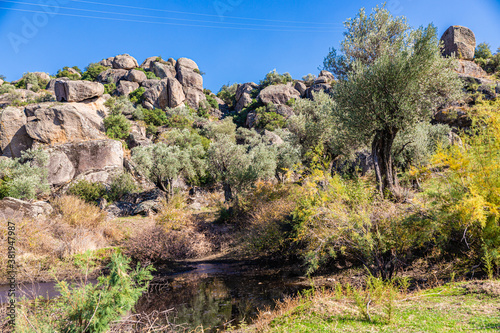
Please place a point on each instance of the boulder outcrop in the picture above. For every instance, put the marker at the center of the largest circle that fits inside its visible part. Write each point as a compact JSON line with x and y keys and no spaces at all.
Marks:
{"x":10,"y":207}
{"x":125,"y":61}
{"x":13,"y":136}
{"x":278,"y":94}
{"x":77,"y":91}
{"x":460,"y":42}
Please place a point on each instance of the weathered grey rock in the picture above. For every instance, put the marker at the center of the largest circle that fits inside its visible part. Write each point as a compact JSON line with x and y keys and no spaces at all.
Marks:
{"x":326,"y":74}
{"x":454,"y":116}
{"x":460,"y":42}
{"x":284,"y":110}
{"x":186,"y":63}
{"x":251,"y":119}
{"x":469,"y":68}
{"x":243,"y":98}
{"x":136,"y":76}
{"x":321,"y":80}
{"x":163,"y":70}
{"x":107,"y":62}
{"x":43,"y":76}
{"x":52,"y":83}
{"x":53,"y":124}
{"x":96,"y":158}
{"x":172,"y":61}
{"x":1,"y":82}
{"x":317,"y":88}
{"x":301,"y":88}
{"x":74,"y":72}
{"x":148,"y":62}
{"x":278,"y":94}
{"x":137,"y":139}
{"x":150,"y":83}
{"x":124,"y":61}
{"x":77,"y":91}
{"x":10,"y":207}
{"x":124,"y":88}
{"x":194,"y":97}
{"x":112,"y":76}
{"x":189,"y":78}
{"x":176,"y":96}
{"x":273,"y":138}
{"x":13,"y":136}
{"x":60,"y":169}
{"x":157,"y":95}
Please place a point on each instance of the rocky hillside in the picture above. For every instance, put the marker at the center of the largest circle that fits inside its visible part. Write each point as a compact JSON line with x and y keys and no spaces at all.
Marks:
{"x":65,"y":116}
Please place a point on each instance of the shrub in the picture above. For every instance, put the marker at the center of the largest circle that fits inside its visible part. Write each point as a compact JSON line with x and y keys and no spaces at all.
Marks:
{"x":92,"y":71}
{"x":117,"y":127}
{"x":33,"y":80}
{"x":109,"y":88}
{"x":6,"y":88}
{"x":78,"y":213}
{"x":156,"y":117}
{"x":25,"y":177}
{"x":268,"y":119}
{"x":64,"y":72}
{"x":196,"y":70}
{"x":274,"y":77}
{"x":136,"y":96}
{"x":121,"y":185}
{"x":88,"y":191}
{"x":212,"y":101}
{"x":228,"y":94}
{"x":309,"y":79}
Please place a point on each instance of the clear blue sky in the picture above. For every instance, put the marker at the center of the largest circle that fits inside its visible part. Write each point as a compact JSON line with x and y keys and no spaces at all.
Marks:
{"x":290,"y":36}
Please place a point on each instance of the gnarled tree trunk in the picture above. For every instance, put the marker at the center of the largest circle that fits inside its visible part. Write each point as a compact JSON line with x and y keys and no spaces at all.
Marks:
{"x":382,"y":160}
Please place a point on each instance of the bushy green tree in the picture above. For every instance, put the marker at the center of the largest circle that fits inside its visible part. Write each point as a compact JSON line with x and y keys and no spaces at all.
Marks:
{"x":238,"y":166}
{"x":228,"y":94}
{"x":64,"y":72}
{"x":162,"y":163}
{"x":116,"y":124}
{"x":483,"y":51}
{"x":88,"y":191}
{"x":399,"y":89}
{"x":92,"y":71}
{"x":274,"y":77}
{"x":366,"y":38}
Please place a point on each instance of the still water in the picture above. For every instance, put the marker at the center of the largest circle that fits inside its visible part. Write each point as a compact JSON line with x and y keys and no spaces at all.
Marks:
{"x":213,"y":294}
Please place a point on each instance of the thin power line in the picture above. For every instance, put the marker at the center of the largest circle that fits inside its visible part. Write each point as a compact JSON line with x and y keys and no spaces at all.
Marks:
{"x":199,"y":14}
{"x":149,"y":16}
{"x":167,"y":23}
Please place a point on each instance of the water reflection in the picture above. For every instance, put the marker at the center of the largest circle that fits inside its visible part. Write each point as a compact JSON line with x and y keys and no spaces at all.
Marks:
{"x":212,"y":295}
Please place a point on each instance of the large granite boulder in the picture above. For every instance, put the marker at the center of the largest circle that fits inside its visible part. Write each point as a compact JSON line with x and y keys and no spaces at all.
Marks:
{"x":148,"y":63}
{"x":53,"y":124}
{"x":77,"y":91}
{"x":112,"y":76}
{"x":13,"y":136}
{"x":278,"y":94}
{"x":186,"y":63}
{"x":469,"y":68}
{"x":125,"y":61}
{"x":70,"y":160}
{"x":317,"y":87}
{"x":124,"y":88}
{"x":163,"y":70}
{"x":10,"y":208}
{"x":176,"y":96}
{"x":460,"y":42}
{"x":43,"y":76}
{"x":166,"y":93}
{"x":301,"y":88}
{"x":107,"y":62}
{"x":243,"y":98}
{"x":136,"y":76}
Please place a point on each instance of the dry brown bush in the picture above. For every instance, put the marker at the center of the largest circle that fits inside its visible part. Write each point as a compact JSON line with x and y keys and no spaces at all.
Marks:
{"x":77,"y":212}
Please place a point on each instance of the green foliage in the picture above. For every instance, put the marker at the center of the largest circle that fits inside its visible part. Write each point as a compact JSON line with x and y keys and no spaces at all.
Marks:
{"x":92,"y":71}
{"x":33,"y":80}
{"x":88,"y":191}
{"x":268,"y":119}
{"x":121,"y":185}
{"x":366,"y":38}
{"x":221,"y":128}
{"x":117,"y":126}
{"x":162,"y":163}
{"x":24,"y":177}
{"x":228,"y":94}
{"x":109,"y":88}
{"x":149,"y":75}
{"x":197,"y":71}
{"x":155,"y":117}
{"x":92,"y":308}
{"x":6,"y":89}
{"x":483,"y":51}
{"x":309,"y":79}
{"x":64,"y":72}
{"x":212,"y":101}
{"x":136,"y":96}
{"x":400,"y":89}
{"x":274,"y":77}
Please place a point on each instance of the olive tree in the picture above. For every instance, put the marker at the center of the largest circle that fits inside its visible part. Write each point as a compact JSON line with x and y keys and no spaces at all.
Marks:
{"x":237,"y":166}
{"x":162,"y":163}
{"x":399,"y":89}
{"x":366,"y":38}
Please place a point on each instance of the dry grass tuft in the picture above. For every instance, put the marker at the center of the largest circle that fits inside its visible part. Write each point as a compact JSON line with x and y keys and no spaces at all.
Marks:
{"x":78,"y":213}
{"x":173,"y":214}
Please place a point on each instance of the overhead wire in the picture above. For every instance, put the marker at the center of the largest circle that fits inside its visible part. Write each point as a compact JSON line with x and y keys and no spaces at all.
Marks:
{"x":199,"y":14}
{"x":170,"y":23}
{"x":149,"y":16}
